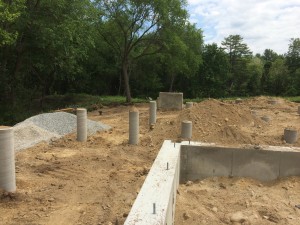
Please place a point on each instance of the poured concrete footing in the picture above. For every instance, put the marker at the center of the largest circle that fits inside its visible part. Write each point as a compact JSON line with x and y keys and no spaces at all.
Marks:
{"x":170,"y":100}
{"x":179,"y":162}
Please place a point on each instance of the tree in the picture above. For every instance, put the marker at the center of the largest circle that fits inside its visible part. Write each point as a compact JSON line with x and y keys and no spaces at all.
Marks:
{"x":238,"y":54}
{"x":236,"y":50}
{"x":255,"y":69}
{"x":53,"y":38}
{"x":293,"y":55}
{"x":10,"y":11}
{"x":293,"y":64}
{"x":279,"y":77}
{"x":214,"y":72}
{"x":182,"y":52}
{"x":132,"y":28}
{"x":268,"y":58}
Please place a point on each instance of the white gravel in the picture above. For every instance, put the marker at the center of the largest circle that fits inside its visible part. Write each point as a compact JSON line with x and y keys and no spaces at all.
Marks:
{"x":27,"y":135}
{"x":44,"y":127}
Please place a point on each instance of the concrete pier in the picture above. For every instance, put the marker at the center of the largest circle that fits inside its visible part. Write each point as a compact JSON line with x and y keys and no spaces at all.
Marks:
{"x":81,"y":124}
{"x":186,"y":129}
{"x":189,"y":104}
{"x":7,"y":159}
{"x":152,"y":112}
{"x":133,"y":126}
{"x":290,"y":135}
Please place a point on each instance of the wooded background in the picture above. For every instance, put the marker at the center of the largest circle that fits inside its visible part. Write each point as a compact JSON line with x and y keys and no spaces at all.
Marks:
{"x":133,"y":48}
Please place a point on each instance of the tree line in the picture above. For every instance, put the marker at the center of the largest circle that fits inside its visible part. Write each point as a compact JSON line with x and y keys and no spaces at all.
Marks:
{"x":131,"y":48}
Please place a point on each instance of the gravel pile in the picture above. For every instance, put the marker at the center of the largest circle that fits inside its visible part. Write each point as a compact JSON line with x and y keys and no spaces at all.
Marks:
{"x":46,"y":126}
{"x":27,"y":135}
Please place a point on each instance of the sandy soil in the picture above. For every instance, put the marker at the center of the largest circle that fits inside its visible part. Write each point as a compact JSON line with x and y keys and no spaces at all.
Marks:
{"x":67,"y":182}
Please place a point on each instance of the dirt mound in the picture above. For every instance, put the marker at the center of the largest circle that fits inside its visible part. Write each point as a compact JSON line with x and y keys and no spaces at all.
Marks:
{"x":221,"y":122}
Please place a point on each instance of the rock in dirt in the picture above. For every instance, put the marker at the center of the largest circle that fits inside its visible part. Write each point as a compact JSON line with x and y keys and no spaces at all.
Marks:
{"x":238,"y":217}
{"x":186,"y":216}
{"x":189,"y":183}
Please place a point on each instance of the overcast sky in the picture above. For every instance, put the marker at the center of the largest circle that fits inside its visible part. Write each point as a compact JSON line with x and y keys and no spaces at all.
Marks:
{"x":262,"y":23}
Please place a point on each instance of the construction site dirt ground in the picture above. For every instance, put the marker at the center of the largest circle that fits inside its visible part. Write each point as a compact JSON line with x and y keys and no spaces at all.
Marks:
{"x":68,"y":182}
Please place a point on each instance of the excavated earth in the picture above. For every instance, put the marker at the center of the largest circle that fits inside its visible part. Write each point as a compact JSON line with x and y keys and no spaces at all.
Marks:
{"x":67,"y":182}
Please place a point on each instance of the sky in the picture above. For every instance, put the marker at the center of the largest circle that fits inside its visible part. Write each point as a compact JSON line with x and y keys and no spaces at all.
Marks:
{"x":262,"y":23}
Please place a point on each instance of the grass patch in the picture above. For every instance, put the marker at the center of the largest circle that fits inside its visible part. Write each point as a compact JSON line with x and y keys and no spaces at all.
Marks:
{"x":293,"y":99}
{"x":26,"y":108}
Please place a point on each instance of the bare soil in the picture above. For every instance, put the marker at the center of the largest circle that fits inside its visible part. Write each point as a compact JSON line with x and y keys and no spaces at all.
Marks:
{"x":68,"y":182}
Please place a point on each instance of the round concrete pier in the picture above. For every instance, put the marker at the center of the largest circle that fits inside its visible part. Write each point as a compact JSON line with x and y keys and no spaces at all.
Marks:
{"x":81,"y":124}
{"x":186,"y":129}
{"x":290,"y":135}
{"x":189,"y":104}
{"x":7,"y":160}
{"x":152,"y":112}
{"x":133,"y":126}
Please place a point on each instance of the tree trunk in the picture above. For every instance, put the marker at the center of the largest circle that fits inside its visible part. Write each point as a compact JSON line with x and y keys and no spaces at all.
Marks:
{"x":126,"y":81}
{"x":172,"y":82}
{"x":120,"y":83}
{"x":14,"y":76}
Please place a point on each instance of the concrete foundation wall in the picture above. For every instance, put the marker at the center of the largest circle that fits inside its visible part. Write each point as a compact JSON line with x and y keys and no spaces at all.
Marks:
{"x":193,"y":161}
{"x":198,"y":162}
{"x":160,"y":188}
{"x":170,"y":100}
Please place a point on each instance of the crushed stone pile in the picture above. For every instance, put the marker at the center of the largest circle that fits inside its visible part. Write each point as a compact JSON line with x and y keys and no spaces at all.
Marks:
{"x":44,"y":127}
{"x":28,"y":134}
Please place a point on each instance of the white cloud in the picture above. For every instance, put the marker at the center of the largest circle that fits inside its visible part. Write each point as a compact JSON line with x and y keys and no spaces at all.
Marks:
{"x":262,"y":23}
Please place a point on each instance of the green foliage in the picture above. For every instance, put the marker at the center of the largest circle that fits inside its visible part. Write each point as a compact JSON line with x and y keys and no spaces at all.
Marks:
{"x":182,"y":52}
{"x":214,"y":73}
{"x":132,"y":28}
{"x":239,"y":55}
{"x":254,"y":69}
{"x":10,"y":11}
{"x":124,"y":47}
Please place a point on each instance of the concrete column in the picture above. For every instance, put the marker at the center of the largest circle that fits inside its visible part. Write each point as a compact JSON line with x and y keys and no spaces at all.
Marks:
{"x":152,"y":112}
{"x":7,"y":160}
{"x":81,"y":124}
{"x":299,"y":110}
{"x":186,"y":129}
{"x":189,"y":104}
{"x":133,"y":126}
{"x":290,"y":135}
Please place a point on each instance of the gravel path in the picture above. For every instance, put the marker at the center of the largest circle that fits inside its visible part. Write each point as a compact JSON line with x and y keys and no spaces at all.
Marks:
{"x":44,"y":127}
